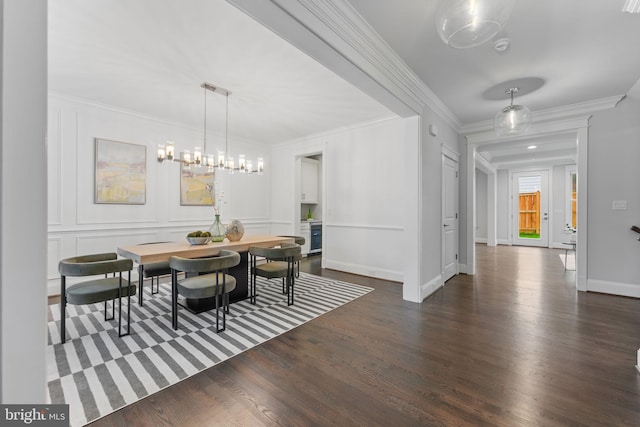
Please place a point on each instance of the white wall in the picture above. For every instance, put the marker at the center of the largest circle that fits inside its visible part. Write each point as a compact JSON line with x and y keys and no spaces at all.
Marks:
{"x":503,"y":213}
{"x":362,"y":205}
{"x":381,"y":195}
{"x":481,"y":207}
{"x":614,"y":155}
{"x":559,"y":195}
{"x":23,"y":55}
{"x":557,"y":206}
{"x":77,"y":225}
{"x":430,"y":201}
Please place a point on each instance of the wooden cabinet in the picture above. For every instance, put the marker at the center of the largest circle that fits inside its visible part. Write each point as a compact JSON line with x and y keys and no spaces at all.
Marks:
{"x":309,"y":189}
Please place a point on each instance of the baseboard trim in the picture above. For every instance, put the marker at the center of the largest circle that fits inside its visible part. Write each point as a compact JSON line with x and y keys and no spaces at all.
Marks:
{"x":364,"y":270}
{"x":462,"y":268}
{"x":481,"y":240}
{"x":426,"y":289}
{"x":613,"y":288}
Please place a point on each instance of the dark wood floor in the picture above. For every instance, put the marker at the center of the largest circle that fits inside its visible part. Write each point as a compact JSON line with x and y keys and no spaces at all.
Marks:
{"x":514,"y":345}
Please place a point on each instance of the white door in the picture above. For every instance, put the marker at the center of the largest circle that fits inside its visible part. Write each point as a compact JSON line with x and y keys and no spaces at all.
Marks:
{"x":531,"y":208}
{"x":449,"y":217}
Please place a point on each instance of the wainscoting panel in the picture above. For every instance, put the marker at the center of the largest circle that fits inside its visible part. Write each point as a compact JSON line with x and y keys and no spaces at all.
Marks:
{"x":368,"y":250}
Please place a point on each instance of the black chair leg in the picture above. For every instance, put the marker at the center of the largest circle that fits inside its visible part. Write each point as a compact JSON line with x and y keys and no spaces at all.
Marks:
{"x":140,"y":283}
{"x":224,"y":313}
{"x":128,"y":305}
{"x":220,"y":296}
{"x":113,"y":310}
{"x":226,"y":299}
{"x":63,"y":307}
{"x":174,"y":299}
{"x":291,"y":274}
{"x":120,"y":334}
{"x":290,"y":288}
{"x":293,"y":280}
{"x":157,"y":289}
{"x":252,"y":281}
{"x":119,"y":313}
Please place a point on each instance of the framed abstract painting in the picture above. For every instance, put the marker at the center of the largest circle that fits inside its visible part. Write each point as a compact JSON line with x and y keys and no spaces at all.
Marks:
{"x":121,"y":172}
{"x":196,"y":185}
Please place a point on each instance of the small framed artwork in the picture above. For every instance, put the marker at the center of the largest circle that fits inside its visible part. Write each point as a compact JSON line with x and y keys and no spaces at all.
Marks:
{"x":196,"y":185}
{"x":121,"y":173}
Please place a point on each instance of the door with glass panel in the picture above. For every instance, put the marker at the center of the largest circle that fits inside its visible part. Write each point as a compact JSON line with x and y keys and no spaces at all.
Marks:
{"x":531,"y":208}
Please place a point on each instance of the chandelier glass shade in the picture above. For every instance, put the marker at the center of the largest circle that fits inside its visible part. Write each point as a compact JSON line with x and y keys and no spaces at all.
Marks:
{"x":200,"y":156}
{"x":512,"y":120}
{"x":468,"y":23}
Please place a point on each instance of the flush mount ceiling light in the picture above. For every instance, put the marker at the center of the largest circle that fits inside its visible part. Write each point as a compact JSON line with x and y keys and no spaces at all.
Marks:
{"x":468,"y":23}
{"x":514,"y":119}
{"x":532,"y":147}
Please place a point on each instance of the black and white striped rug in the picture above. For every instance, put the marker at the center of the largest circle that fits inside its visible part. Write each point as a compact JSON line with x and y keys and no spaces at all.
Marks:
{"x":96,"y":373}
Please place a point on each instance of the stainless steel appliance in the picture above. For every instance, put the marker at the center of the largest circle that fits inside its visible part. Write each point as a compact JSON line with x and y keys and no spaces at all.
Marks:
{"x":316,"y":238}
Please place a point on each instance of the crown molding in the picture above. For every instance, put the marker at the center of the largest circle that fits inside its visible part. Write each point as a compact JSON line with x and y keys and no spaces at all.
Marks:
{"x":366,"y":44}
{"x":551,"y":114}
{"x":536,"y":129}
{"x":483,"y":164}
{"x":335,"y":34}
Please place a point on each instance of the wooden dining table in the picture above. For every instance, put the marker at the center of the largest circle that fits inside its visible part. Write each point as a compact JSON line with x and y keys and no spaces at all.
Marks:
{"x":157,"y":252}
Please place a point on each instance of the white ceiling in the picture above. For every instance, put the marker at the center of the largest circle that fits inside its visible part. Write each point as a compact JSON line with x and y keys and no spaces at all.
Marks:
{"x":150,"y":56}
{"x":582,"y":50}
{"x":576,"y":50}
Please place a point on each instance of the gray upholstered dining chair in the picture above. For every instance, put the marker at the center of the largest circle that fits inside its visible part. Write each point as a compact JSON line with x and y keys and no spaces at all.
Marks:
{"x":152,"y":271}
{"x":280,"y":264}
{"x":106,"y":288}
{"x":299,"y":240}
{"x":209,"y":280}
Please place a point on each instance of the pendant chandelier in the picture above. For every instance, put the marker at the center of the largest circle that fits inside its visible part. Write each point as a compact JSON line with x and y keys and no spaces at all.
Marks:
{"x":201,"y":156}
{"x":512,"y":120}
{"x":469,"y":23}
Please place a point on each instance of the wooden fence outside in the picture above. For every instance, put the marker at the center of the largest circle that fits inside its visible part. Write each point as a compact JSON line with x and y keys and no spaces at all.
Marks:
{"x":573,"y":210}
{"x":530,"y":213}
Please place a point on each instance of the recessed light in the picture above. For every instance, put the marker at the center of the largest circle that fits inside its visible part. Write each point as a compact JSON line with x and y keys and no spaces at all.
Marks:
{"x":531,"y":147}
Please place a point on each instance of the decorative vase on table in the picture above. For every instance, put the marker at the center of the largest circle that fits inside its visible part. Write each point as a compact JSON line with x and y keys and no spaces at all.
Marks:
{"x":235,"y":230}
{"x":217,"y":230}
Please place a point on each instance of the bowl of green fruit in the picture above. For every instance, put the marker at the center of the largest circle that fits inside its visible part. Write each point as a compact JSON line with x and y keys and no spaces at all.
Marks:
{"x":199,"y":237}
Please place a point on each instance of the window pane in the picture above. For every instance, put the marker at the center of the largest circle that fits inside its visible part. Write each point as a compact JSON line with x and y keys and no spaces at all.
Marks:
{"x":529,"y":205}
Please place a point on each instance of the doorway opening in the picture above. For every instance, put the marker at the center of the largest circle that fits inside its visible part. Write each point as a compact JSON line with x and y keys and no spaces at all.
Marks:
{"x":309,"y":203}
{"x":531,"y":208}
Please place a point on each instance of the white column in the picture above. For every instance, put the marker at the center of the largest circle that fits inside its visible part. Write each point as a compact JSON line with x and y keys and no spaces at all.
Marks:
{"x":492,"y":191}
{"x":413,"y":224}
{"x":471,"y":209}
{"x":582,"y":225}
{"x":23,"y":211}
